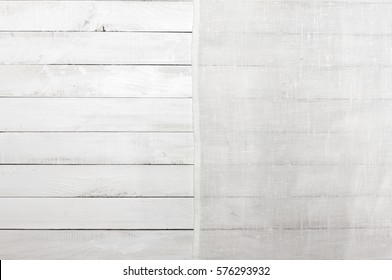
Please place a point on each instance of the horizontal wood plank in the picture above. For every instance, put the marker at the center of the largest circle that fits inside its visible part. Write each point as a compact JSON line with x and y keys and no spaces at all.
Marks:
{"x":265,"y":148}
{"x":96,"y":213}
{"x":94,"y":48}
{"x":95,"y":180}
{"x":280,"y":181}
{"x":95,"y":16}
{"x":296,"y":212}
{"x":277,"y":49}
{"x":96,"y":148}
{"x":326,"y":115}
{"x":298,"y":82}
{"x":315,"y":17}
{"x":297,"y":244}
{"x":25,"y":114}
{"x":95,"y":81}
{"x":97,"y":244}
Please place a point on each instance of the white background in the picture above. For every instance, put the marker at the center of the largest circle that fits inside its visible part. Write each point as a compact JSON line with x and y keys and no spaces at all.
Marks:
{"x":17,"y":270}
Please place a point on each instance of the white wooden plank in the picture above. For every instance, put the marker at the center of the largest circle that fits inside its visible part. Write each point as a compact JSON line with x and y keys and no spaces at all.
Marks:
{"x":298,"y":82}
{"x":295,"y":49}
{"x":95,"y":180}
{"x":96,"y":148}
{"x":298,"y":244}
{"x":97,"y":244}
{"x":332,"y":116}
{"x":296,"y":212}
{"x":95,"y":16}
{"x":279,"y":181}
{"x":320,"y":17}
{"x":26,"y":114}
{"x":296,"y":148}
{"x":96,"y":213}
{"x":95,"y":81}
{"x":94,"y":48}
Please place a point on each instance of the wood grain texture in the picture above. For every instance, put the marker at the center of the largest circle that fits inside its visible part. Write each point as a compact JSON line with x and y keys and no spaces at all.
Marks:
{"x":270,"y":148}
{"x":95,"y":16}
{"x":26,"y":114}
{"x":95,"y":181}
{"x":299,"y":82}
{"x":96,"y":142}
{"x":296,"y":49}
{"x":94,"y":48}
{"x":302,"y":116}
{"x":96,"y":213}
{"x":97,"y":244}
{"x":236,"y":213}
{"x":315,"y":17}
{"x":275,"y":178}
{"x":289,"y":180}
{"x":96,"y":148}
{"x":95,"y":81}
{"x":331,"y":244}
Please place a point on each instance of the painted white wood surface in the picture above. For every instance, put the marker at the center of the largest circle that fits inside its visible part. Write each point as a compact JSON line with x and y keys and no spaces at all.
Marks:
{"x":96,"y":130}
{"x":300,"y":180}
{"x":95,"y":180}
{"x":295,"y":161}
{"x":299,"y":82}
{"x":292,"y":148}
{"x":331,"y":244}
{"x":236,"y":213}
{"x":119,"y":114}
{"x":302,"y":116}
{"x":95,"y":81}
{"x":95,"y":244}
{"x":96,"y":148}
{"x":296,"y":49}
{"x":95,"y":16}
{"x":94,"y":48}
{"x":314,"y":17}
{"x":96,"y":213}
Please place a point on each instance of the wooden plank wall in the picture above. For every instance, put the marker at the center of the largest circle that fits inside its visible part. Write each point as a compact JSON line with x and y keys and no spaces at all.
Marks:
{"x":96,"y":134}
{"x":294,"y":104}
